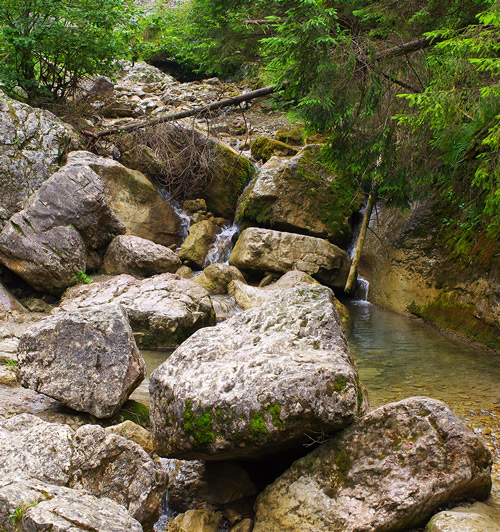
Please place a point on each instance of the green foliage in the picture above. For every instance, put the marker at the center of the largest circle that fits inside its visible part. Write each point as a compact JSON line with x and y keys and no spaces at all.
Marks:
{"x":82,"y":277}
{"x":12,"y":363}
{"x":47,"y":46}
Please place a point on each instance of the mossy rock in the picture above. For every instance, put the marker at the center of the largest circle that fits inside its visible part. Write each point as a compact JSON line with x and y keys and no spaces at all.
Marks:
{"x":263,"y":148}
{"x":195,"y":248}
{"x":293,"y":134}
{"x":133,"y":411}
{"x":301,"y":195}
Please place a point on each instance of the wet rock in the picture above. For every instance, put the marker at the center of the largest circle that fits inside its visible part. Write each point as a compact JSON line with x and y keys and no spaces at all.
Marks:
{"x":193,"y":483}
{"x":162,"y":310}
{"x":250,"y":296}
{"x":105,"y":465}
{"x":138,"y":256}
{"x":390,"y":470}
{"x":32,"y":147}
{"x":133,"y":199}
{"x":215,"y":278}
{"x":300,"y":195}
{"x":263,"y":148}
{"x":194,"y":205}
{"x":85,"y":358}
{"x":134,"y":432}
{"x":195,"y":521}
{"x":257,"y":383}
{"x":195,"y":248}
{"x":38,"y":506}
{"x":477,"y":517}
{"x":267,"y":250}
{"x":46,"y":244}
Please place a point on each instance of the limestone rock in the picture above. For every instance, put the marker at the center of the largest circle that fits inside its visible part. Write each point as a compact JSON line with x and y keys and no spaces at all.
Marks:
{"x":258,"y":382}
{"x":388,"y":471}
{"x":162,"y":310}
{"x":195,"y":248}
{"x":42,"y":507}
{"x":216,"y":277}
{"x":477,"y":517}
{"x":267,"y":250}
{"x":105,"y":465}
{"x":301,"y":195}
{"x":138,"y":256}
{"x":8,"y":302}
{"x":9,"y":375}
{"x":250,"y":296}
{"x":133,"y":199}
{"x":33,"y":143}
{"x":263,"y":148}
{"x":134,"y":432}
{"x":85,"y":358}
{"x":195,"y":521}
{"x":46,"y":244}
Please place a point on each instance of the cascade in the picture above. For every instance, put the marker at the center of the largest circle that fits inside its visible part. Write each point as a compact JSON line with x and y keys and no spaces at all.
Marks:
{"x":184,"y":217}
{"x":222,"y":246}
{"x":362,"y":286}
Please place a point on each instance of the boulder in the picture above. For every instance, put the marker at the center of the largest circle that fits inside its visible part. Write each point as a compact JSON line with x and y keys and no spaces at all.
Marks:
{"x":103,"y":464}
{"x":292,"y":134}
{"x":251,"y":296}
{"x":8,"y":302}
{"x":133,"y":199}
{"x":195,"y":521}
{"x":162,"y":310}
{"x":47,"y":243}
{"x":33,"y":143}
{"x":301,"y":195}
{"x":389,"y":471}
{"x":31,"y":505}
{"x":195,"y":248}
{"x":477,"y":517}
{"x":85,"y":358}
{"x":267,"y":250}
{"x":9,"y":375}
{"x":215,"y":278}
{"x":258,"y":383}
{"x":263,"y":148}
{"x":138,"y":256}
{"x":133,"y":432}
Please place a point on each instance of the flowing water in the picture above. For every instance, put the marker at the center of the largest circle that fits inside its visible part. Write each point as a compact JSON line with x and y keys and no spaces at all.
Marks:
{"x":399,"y":357}
{"x":222,"y":246}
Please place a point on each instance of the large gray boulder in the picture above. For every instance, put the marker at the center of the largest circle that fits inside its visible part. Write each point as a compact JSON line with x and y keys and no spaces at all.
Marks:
{"x":133,"y":199}
{"x":47,"y":243}
{"x":389,"y":471}
{"x":31,"y":505}
{"x":33,"y":143}
{"x":301,"y":195}
{"x":276,"y":251}
{"x":138,"y":256}
{"x":90,"y":458}
{"x":262,"y":381}
{"x":162,"y":310}
{"x":87,"y":359}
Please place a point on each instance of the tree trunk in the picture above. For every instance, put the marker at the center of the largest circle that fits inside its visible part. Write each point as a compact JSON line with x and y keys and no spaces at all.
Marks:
{"x":361,"y":240}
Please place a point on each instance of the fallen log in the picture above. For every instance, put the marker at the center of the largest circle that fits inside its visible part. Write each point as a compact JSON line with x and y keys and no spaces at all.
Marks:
{"x":226,"y":102}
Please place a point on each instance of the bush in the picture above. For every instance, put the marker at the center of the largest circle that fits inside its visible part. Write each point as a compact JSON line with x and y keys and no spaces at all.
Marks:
{"x":47,"y":46}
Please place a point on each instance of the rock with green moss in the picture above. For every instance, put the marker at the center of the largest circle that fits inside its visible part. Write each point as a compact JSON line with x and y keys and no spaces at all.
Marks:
{"x":263,"y":148}
{"x":133,"y":199}
{"x":301,"y":195}
{"x":33,"y":143}
{"x":265,"y":250}
{"x":389,"y":471}
{"x":292,"y":134}
{"x":263,"y":381}
{"x":216,"y":277}
{"x":229,"y":175}
{"x":163,"y":310}
{"x":195,"y":248}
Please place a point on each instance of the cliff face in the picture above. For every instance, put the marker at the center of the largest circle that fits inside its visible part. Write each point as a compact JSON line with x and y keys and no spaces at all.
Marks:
{"x":410,"y":272}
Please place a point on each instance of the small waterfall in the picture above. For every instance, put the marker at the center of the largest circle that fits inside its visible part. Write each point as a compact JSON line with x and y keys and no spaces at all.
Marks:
{"x":184,"y":217}
{"x":361,"y":291}
{"x":222,"y":246}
